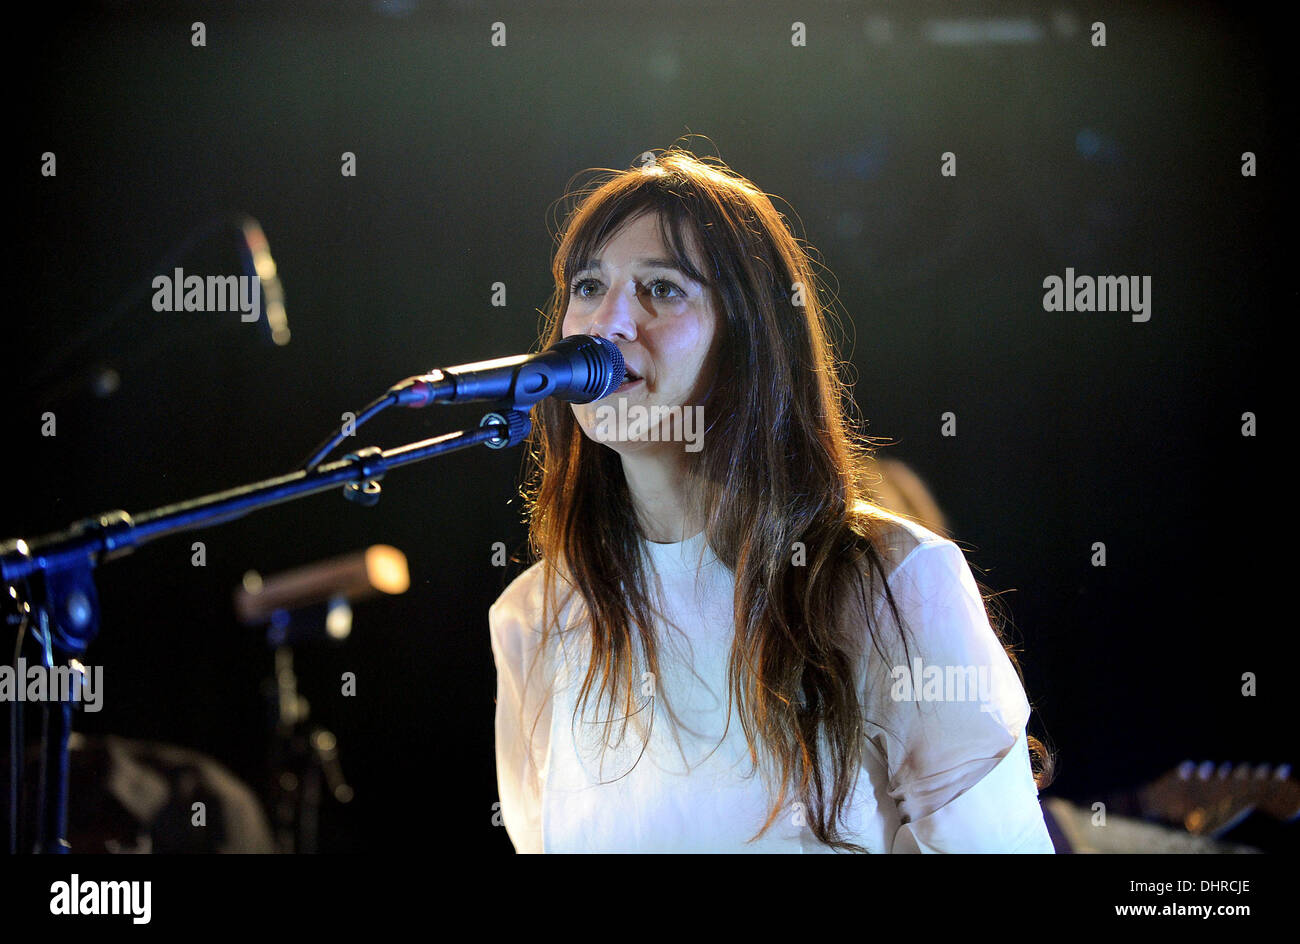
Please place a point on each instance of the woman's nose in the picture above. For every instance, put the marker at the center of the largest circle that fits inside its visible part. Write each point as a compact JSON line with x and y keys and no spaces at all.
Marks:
{"x":615,"y":317}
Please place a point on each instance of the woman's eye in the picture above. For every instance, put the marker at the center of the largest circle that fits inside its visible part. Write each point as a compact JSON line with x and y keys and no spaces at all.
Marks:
{"x":664,"y":283}
{"x":659,"y":288}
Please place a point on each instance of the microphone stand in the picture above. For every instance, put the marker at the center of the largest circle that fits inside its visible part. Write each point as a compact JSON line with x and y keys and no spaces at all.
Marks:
{"x":304,"y":759}
{"x":57,"y":585}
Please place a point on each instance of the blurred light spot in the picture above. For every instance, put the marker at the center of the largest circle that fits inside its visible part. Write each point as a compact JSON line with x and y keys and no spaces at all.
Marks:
{"x":664,"y":65}
{"x":395,"y":8}
{"x":879,"y":30}
{"x":107,"y":381}
{"x":278,"y":320}
{"x":1065,"y":23}
{"x":338,"y":620}
{"x":849,"y":224}
{"x":979,"y":32}
{"x":386,"y":569}
{"x":1096,"y":146}
{"x":864,"y":163}
{"x":1087,"y":142}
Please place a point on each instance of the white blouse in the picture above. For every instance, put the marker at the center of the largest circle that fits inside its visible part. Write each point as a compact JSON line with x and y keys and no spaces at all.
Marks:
{"x":945,"y":766}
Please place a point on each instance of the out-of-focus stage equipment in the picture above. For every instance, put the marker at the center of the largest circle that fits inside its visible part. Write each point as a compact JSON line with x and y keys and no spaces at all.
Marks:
{"x":1210,"y":800}
{"x":143,"y":797}
{"x":308,"y":605}
{"x":66,"y":371}
{"x":1193,"y":808}
{"x":334,"y":583}
{"x":49,"y":583}
{"x":255,"y":253}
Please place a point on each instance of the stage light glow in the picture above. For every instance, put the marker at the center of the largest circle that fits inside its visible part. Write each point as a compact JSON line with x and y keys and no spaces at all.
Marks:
{"x":387,"y":570}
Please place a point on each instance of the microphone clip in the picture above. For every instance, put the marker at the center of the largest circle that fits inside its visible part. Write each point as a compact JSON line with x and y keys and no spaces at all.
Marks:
{"x":518,"y":424}
{"x":368,"y":491}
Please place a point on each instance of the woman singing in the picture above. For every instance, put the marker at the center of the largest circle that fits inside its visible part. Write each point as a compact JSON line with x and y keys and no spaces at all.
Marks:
{"x":724,"y":645}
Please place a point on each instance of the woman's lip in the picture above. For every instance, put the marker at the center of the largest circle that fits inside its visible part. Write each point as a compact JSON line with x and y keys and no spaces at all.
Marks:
{"x":627,"y":384}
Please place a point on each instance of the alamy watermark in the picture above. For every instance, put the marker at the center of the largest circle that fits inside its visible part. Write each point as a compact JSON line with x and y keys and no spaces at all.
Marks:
{"x":1128,"y":293}
{"x":85,"y":897}
{"x":75,"y":683}
{"x":640,"y":423}
{"x":921,"y":682}
{"x":181,"y":292}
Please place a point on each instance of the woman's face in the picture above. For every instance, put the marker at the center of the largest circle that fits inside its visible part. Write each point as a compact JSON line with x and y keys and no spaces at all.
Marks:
{"x":664,"y":323}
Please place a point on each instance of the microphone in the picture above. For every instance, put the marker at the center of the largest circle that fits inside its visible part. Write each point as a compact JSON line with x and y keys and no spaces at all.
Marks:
{"x":346,"y":579}
{"x":255,"y":254}
{"x":579,"y":369}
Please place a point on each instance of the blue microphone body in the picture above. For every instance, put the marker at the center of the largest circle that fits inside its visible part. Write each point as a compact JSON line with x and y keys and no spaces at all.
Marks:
{"x":579,"y":369}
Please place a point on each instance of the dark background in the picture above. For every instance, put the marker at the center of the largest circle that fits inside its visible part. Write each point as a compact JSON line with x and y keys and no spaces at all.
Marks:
{"x":1072,"y":427}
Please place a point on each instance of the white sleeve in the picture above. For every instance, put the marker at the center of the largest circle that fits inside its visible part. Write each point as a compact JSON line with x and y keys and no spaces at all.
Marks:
{"x":950,"y":716}
{"x":520,"y":701}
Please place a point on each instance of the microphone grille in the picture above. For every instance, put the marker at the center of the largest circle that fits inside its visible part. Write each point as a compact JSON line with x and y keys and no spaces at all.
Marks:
{"x":611,"y":379}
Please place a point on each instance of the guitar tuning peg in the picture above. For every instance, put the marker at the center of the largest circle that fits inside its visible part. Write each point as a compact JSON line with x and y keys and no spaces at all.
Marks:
{"x":1241,"y":772}
{"x":1223,"y":770}
{"x":1185,"y":769}
{"x":1262,"y":771}
{"x":1204,"y":770}
{"x":1283,"y":772}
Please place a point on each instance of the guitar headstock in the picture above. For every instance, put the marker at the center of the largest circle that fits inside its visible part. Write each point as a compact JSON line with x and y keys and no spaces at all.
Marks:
{"x":1208,"y":799}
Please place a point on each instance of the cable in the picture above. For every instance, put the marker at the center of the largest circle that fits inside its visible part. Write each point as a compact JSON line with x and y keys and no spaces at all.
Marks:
{"x":329,"y":445}
{"x":42,"y":769}
{"x":15,"y":741}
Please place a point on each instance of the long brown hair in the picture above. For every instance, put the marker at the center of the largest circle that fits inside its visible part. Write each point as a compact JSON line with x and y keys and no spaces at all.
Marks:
{"x":782,"y":466}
